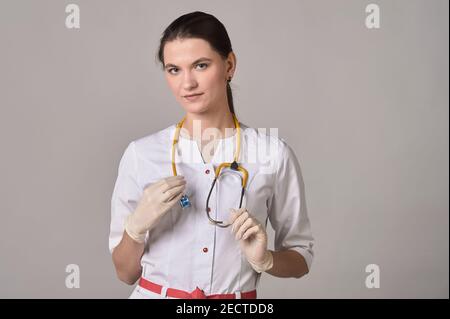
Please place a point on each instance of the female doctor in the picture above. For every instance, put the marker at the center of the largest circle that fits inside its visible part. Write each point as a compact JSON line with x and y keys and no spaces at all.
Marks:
{"x":190,"y":204}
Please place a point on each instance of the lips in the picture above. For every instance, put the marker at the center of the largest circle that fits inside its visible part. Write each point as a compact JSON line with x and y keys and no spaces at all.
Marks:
{"x":193,"y":97}
{"x":195,"y":94}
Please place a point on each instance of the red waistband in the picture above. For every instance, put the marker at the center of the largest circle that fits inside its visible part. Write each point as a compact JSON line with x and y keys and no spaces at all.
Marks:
{"x":196,"y":294}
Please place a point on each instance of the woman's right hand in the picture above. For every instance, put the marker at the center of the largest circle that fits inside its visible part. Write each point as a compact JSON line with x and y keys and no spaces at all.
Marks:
{"x":156,"y":200}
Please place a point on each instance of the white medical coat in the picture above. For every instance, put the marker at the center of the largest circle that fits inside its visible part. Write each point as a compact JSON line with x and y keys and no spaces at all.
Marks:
{"x":184,"y":250}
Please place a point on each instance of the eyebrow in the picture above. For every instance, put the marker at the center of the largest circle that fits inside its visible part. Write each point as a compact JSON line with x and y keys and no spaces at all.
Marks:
{"x":170,"y":65}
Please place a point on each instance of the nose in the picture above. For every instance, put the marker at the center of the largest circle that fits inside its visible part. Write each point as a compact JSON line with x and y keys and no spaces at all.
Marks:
{"x":189,"y":81}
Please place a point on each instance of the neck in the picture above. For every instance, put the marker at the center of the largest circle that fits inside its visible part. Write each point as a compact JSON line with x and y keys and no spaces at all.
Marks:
{"x":217,"y":124}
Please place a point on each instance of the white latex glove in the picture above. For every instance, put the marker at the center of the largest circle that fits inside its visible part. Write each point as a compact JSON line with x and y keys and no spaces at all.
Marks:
{"x":252,"y":239}
{"x":156,"y":200}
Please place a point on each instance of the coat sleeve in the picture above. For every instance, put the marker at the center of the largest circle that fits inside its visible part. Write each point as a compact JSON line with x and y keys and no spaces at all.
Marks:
{"x":287,"y":211}
{"x":125,"y":196}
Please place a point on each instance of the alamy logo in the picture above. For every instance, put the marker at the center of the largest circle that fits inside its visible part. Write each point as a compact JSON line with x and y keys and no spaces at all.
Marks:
{"x":373,"y":18}
{"x":373,"y":279}
{"x":73,"y":17}
{"x":73,"y":278}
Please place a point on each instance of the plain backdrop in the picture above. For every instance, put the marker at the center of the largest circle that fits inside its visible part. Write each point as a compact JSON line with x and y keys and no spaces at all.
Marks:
{"x":365,"y":110}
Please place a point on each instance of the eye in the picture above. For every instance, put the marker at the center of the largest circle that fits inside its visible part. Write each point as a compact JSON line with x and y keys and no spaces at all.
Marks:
{"x":205,"y":65}
{"x":172,"y":69}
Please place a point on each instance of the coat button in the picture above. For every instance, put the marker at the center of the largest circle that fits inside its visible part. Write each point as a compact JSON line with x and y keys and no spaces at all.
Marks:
{"x":205,"y":250}
{"x":207,"y":171}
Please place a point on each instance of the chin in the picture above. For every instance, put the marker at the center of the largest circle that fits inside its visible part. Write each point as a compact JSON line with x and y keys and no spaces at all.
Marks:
{"x":196,"y":108}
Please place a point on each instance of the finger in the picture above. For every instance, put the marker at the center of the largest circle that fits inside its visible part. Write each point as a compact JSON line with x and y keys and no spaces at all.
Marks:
{"x":163,"y":181}
{"x":167,"y":196}
{"x":153,"y":185}
{"x":174,"y":200}
{"x":239,"y":221}
{"x":170,"y":178}
{"x":169,"y":184}
{"x":246,"y":225}
{"x":235,"y":213}
{"x":251,"y":231}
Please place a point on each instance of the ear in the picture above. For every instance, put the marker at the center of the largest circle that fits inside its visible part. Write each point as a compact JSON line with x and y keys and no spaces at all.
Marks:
{"x":231,"y":64}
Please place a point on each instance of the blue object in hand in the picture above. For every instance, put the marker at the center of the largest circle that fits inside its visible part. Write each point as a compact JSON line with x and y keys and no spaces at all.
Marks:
{"x":184,"y":202}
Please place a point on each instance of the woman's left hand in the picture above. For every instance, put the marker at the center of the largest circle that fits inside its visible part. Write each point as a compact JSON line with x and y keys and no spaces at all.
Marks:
{"x":251,"y":235}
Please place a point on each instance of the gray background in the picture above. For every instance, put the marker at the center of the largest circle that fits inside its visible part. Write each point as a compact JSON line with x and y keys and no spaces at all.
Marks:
{"x":365,"y":110}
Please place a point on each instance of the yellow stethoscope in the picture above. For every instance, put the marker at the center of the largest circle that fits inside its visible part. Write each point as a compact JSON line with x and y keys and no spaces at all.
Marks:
{"x":184,"y":201}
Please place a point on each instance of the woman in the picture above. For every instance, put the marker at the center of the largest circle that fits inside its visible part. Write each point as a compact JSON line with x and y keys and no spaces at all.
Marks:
{"x":170,"y":214}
